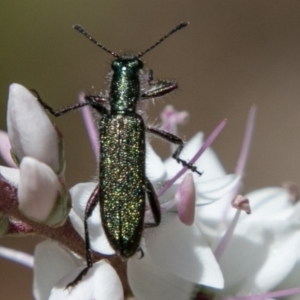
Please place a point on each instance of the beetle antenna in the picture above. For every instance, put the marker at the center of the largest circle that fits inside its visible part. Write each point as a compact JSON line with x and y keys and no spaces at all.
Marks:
{"x":87,"y":35}
{"x":177,"y":28}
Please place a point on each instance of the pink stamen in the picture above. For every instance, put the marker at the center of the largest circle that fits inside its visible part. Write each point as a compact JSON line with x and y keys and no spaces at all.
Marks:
{"x":90,"y":126}
{"x":227,"y":237}
{"x":276,"y":294}
{"x":205,"y":145}
{"x":241,"y":203}
{"x":171,"y":118}
{"x":293,"y":190}
{"x":244,"y":153}
{"x":240,"y":168}
{"x":18,"y":257}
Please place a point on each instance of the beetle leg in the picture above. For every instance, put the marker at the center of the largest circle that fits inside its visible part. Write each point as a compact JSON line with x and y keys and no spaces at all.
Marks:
{"x":154,"y":204}
{"x":159,"y":88}
{"x":175,"y":140}
{"x":58,"y":112}
{"x":98,"y":102}
{"x":91,"y":204}
{"x":142,"y":252}
{"x":95,"y":101}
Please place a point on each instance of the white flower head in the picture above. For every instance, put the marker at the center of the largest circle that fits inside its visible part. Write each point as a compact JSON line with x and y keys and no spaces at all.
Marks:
{"x":36,"y":146}
{"x":196,"y":245}
{"x":193,"y":262}
{"x":51,"y":204}
{"x":30,"y":131}
{"x":61,"y":268}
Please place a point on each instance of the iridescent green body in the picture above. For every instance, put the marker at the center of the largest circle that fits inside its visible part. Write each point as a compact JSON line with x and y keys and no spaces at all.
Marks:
{"x":122,"y":161}
{"x":122,"y":181}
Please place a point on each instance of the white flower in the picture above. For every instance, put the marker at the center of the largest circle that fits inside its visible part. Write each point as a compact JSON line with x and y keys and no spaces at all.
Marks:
{"x":5,"y":149}
{"x":42,"y":197}
{"x":196,"y":245}
{"x":61,"y":268}
{"x":258,"y":253}
{"x":173,"y":250}
{"x":262,"y":250}
{"x":30,"y":131}
{"x":36,"y":146}
{"x":180,"y":253}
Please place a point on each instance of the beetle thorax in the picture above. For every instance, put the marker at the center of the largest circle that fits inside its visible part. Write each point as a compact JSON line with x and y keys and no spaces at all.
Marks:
{"x":125,"y":84}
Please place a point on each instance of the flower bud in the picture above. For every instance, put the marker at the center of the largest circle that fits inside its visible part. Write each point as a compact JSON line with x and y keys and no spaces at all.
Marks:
{"x":42,"y":197}
{"x":30,"y":131}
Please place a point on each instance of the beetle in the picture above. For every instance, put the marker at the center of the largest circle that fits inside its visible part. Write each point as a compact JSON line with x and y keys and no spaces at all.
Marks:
{"x":123,"y":185}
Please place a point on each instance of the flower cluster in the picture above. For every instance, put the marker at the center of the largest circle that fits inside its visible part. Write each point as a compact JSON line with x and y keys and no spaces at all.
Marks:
{"x":197,"y":252}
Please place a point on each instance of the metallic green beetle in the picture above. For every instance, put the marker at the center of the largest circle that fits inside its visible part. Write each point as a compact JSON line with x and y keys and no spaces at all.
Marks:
{"x":123,"y":185}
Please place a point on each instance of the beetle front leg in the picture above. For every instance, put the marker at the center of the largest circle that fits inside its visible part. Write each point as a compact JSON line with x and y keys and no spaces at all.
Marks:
{"x":58,"y":112}
{"x":159,"y":88}
{"x":98,"y":103}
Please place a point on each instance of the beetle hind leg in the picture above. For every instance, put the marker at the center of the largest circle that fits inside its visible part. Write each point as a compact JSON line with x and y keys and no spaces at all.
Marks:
{"x":154,"y":204}
{"x":91,"y":204}
{"x":142,"y":252}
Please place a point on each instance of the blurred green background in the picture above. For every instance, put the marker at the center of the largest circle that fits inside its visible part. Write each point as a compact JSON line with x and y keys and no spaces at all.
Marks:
{"x":234,"y":54}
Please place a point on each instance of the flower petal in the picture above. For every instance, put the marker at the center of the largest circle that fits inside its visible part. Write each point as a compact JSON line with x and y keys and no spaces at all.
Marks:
{"x":185,"y":200}
{"x":219,"y":189}
{"x":253,"y":256}
{"x":148,"y":281}
{"x":292,"y":279}
{"x":183,"y":251}
{"x":39,"y":192}
{"x":215,"y":189}
{"x":100,"y":283}
{"x":208,"y":162}
{"x":5,"y":149}
{"x":29,"y":129}
{"x":12,"y":175}
{"x":80,"y":194}
{"x":273,"y":200}
{"x":51,"y":262}
{"x":284,"y":255}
